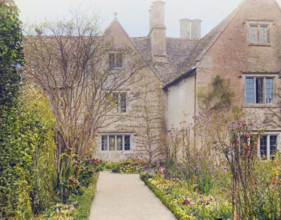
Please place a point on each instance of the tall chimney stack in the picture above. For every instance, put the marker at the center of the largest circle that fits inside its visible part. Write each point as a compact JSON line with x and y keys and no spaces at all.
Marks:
{"x":157,"y":31}
{"x":195,"y":29}
{"x":185,"y":28}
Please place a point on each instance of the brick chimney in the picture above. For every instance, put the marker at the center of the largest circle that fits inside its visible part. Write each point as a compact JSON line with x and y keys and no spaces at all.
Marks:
{"x":157,"y":31}
{"x":190,"y":29}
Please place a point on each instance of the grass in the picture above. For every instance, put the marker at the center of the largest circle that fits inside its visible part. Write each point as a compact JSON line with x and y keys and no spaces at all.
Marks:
{"x":84,"y":202}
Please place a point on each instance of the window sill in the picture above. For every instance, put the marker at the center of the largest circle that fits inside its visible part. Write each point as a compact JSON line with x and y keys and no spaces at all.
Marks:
{"x":260,"y":44}
{"x":261,"y":105}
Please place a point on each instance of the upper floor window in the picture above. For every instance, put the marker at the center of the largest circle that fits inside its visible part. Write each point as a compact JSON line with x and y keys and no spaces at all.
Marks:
{"x":115,"y":60}
{"x":121,"y":102}
{"x":259,"y":89}
{"x":259,"y":34}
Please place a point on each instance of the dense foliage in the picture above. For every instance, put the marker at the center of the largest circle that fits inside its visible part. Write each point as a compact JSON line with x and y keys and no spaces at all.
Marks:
{"x":26,"y":156}
{"x":11,"y":53}
{"x":33,"y":178}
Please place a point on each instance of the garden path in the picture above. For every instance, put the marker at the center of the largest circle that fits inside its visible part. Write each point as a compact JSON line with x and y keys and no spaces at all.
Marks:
{"x":125,"y":197}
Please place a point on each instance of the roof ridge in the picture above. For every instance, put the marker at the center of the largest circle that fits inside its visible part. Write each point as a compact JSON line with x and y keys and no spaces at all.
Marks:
{"x":204,"y":44}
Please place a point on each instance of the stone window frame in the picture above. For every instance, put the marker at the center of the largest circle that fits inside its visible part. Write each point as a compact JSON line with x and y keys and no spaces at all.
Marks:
{"x":274,"y":75}
{"x":116,"y":136}
{"x":258,"y":24}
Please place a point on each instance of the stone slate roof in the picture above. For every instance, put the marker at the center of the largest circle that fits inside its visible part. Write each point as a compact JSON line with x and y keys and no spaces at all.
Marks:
{"x":177,"y":51}
{"x":182,"y":54}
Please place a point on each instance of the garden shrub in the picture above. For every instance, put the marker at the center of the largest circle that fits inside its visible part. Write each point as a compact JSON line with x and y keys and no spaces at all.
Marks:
{"x":26,"y":156}
{"x":77,"y":206}
{"x":76,"y":173}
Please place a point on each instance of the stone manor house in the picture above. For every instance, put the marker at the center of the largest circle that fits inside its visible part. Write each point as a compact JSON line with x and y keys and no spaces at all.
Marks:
{"x":244,"y":48}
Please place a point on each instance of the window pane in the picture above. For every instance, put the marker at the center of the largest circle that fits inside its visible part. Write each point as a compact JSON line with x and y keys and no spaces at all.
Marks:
{"x":111,"y":60}
{"x":123,"y":102}
{"x":250,"y":88}
{"x":263,"y":35}
{"x":273,"y":144}
{"x":253,"y":34}
{"x":119,"y":142}
{"x":104,"y":142}
{"x":259,"y":90}
{"x":118,"y":60}
{"x":263,"y":147}
{"x":111,"y":142}
{"x":127,"y":142}
{"x":269,"y":90}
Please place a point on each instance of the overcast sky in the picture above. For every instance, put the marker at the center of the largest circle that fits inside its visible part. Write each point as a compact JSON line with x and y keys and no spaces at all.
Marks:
{"x":132,"y":14}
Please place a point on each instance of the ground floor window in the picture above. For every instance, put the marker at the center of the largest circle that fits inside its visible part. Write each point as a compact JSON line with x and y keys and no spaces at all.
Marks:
{"x":116,"y":142}
{"x":268,"y":146}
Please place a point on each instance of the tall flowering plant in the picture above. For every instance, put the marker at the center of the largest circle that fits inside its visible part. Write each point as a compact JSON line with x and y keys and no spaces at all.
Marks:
{"x":240,"y":150}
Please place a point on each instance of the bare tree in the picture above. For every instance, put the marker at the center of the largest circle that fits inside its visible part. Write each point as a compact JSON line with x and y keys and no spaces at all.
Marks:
{"x":70,"y":62}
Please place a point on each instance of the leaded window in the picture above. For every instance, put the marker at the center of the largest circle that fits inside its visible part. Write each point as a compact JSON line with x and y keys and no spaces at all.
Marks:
{"x":119,"y":142}
{"x":111,"y":142}
{"x":116,"y":142}
{"x":120,"y":101}
{"x":104,"y":142}
{"x":127,"y":142}
{"x":259,"y":90}
{"x":268,"y":146}
{"x":259,"y":34}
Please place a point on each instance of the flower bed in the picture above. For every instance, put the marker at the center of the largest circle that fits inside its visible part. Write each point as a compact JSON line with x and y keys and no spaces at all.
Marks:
{"x":184,"y":202}
{"x":80,"y":188}
{"x":129,"y":166}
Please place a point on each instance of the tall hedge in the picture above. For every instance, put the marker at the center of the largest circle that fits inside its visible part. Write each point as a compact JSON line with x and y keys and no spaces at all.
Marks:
{"x":27,"y":163}
{"x":26,"y":131}
{"x":11,"y":53}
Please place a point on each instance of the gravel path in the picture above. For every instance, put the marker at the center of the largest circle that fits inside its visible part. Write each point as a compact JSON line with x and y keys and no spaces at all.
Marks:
{"x":125,"y":197}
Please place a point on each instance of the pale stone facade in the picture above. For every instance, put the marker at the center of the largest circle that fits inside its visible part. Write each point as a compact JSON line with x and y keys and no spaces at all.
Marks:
{"x":244,"y":47}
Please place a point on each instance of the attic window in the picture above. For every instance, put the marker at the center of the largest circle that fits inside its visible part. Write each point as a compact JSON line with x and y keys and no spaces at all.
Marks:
{"x":115,"y":60}
{"x":259,"y":34}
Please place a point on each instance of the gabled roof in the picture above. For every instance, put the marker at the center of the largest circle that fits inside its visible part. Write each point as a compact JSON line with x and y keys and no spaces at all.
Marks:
{"x":202,"y":47}
{"x":177,"y":51}
{"x":182,"y":54}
